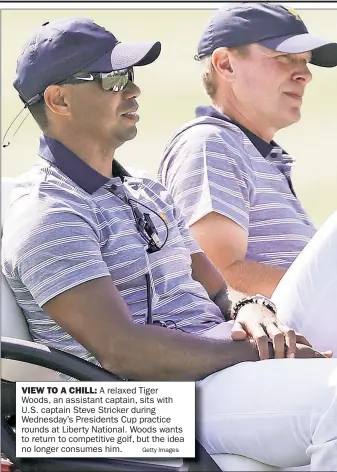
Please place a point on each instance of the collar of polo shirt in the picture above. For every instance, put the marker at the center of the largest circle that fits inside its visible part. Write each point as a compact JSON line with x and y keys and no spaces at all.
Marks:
{"x":262,"y":146}
{"x":77,"y":170}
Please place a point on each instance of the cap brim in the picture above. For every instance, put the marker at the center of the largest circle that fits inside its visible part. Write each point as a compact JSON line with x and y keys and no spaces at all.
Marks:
{"x":126,"y":55}
{"x":324,"y":53}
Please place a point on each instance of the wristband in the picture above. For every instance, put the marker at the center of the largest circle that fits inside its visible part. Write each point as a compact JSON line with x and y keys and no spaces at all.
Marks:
{"x":258,"y":300}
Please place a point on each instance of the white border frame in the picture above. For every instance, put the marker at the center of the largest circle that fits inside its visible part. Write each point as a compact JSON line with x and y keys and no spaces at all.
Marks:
{"x":147,"y":5}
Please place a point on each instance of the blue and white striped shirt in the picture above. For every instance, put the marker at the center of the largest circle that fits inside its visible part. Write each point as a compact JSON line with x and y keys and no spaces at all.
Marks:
{"x":66,"y":227}
{"x":213,"y":165}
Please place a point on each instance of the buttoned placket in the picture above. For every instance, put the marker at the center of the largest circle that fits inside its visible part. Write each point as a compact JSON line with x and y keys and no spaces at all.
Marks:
{"x":284,"y":163}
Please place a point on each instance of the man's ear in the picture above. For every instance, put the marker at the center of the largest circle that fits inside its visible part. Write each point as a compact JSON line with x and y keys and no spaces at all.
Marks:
{"x":221,"y":60}
{"x":55,"y":98}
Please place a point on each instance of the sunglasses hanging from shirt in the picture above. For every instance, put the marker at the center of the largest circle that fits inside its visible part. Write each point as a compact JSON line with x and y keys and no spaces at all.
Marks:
{"x":149,"y":233}
{"x":144,"y":223}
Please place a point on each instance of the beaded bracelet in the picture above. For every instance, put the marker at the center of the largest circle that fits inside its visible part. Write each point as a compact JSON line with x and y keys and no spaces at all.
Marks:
{"x":258,"y":299}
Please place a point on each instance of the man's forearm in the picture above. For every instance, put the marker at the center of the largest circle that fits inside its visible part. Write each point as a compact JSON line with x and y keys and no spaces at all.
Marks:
{"x":253,"y":277}
{"x":205,"y":272}
{"x":157,"y":353}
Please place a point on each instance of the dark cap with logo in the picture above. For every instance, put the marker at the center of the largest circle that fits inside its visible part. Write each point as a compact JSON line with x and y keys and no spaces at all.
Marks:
{"x":272,"y":25}
{"x":60,"y":48}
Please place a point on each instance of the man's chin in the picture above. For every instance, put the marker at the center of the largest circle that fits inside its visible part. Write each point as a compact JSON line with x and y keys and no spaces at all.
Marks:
{"x":127,"y":135}
{"x":131,"y":133}
{"x":291,"y":118}
{"x":296,"y":116}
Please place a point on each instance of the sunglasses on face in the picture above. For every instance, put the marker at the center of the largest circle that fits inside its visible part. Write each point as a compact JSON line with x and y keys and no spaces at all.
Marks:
{"x":114,"y":81}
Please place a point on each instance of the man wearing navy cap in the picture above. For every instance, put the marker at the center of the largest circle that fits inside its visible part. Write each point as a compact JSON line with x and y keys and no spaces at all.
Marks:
{"x":103,"y":265}
{"x":82,"y":46}
{"x":230,"y":179}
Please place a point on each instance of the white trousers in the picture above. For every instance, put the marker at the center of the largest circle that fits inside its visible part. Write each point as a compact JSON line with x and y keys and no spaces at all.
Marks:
{"x":283,"y":412}
{"x":306,"y":297}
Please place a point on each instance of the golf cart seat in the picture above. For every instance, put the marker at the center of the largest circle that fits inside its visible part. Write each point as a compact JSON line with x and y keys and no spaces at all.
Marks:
{"x":25,"y":360}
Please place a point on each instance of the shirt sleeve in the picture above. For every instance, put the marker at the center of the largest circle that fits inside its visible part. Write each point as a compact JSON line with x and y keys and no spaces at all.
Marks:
{"x":57,"y":250}
{"x":206,"y":171}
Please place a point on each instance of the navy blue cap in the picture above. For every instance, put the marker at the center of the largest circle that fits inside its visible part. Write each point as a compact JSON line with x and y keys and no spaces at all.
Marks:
{"x":60,"y":48}
{"x":272,"y":25}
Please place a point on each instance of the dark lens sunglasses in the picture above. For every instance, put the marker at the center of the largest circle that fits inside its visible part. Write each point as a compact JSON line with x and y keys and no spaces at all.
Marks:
{"x":114,"y":81}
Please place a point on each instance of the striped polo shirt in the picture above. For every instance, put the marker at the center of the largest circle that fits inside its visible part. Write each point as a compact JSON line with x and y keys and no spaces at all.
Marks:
{"x":68,"y":224}
{"x":212,"y":164}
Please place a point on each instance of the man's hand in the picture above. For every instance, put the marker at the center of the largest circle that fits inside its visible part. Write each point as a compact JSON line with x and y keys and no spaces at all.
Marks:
{"x":260,"y":324}
{"x":306,"y":352}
